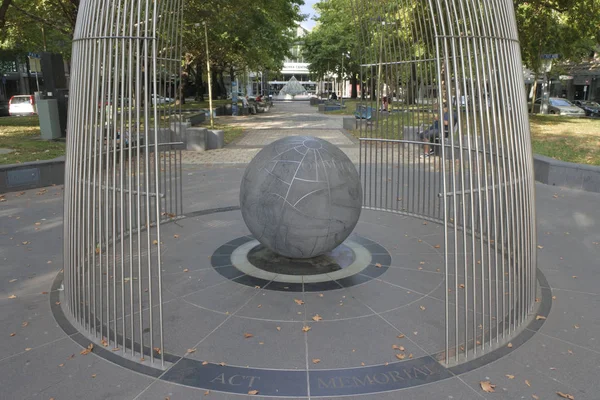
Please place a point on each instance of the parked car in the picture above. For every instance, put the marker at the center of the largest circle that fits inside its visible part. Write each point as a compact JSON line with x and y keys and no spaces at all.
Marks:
{"x":591,"y":108}
{"x":162,"y":100}
{"x":560,"y":106}
{"x":22,"y":105}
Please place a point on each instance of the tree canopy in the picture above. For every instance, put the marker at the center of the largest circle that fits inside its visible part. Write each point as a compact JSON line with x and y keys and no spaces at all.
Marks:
{"x":565,"y":27}
{"x":241,"y":35}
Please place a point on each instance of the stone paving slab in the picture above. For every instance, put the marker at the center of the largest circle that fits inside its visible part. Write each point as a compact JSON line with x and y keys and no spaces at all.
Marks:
{"x":562,"y":356}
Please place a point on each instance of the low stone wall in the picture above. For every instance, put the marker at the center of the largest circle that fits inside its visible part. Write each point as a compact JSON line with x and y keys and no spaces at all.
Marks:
{"x":31,"y":175}
{"x":564,"y":174}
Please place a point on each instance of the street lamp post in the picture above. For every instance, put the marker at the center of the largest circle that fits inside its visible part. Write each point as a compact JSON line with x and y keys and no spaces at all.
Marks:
{"x":342,"y":81}
{"x":210,"y":106}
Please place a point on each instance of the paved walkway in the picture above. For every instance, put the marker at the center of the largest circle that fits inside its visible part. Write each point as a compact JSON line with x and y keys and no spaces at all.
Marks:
{"x":285,"y":119}
{"x":38,"y":360}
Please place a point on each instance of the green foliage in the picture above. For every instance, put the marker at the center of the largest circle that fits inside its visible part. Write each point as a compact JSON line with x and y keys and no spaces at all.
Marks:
{"x":38,"y":25}
{"x":566,"y":27}
{"x":255,"y":35}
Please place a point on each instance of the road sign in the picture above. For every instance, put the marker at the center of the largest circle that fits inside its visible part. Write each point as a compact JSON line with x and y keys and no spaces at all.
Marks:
{"x":33,"y":55}
{"x":550,"y":56}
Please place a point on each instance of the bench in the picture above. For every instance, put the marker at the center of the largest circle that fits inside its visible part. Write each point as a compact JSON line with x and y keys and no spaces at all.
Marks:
{"x":363,"y":112}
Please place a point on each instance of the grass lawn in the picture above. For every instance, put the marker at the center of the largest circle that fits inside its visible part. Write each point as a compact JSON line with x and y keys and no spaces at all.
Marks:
{"x":230,"y":133}
{"x":574,"y":140}
{"x":22,"y":134}
{"x":194,"y":105}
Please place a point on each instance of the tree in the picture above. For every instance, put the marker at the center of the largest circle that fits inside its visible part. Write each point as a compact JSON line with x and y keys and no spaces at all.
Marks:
{"x":241,"y":37}
{"x":334,"y":38}
{"x":565,"y":27}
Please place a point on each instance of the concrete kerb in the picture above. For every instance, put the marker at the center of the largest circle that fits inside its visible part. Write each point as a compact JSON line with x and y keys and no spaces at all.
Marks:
{"x":32,"y":175}
{"x":565,"y":174}
{"x":38,"y":174}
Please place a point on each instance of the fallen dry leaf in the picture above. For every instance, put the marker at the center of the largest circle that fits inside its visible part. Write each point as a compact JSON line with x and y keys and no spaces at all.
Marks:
{"x":115,"y":349}
{"x":104,"y":342}
{"x":278,"y":328}
{"x":176,"y":236}
{"x":57,"y":303}
{"x":87,"y":350}
{"x":540,"y":317}
{"x":222,"y":364}
{"x":410,"y":355}
{"x":155,"y":242}
{"x":400,"y":336}
{"x":510,"y":345}
{"x":576,"y":326}
{"x":320,"y":294}
{"x":27,"y":348}
{"x":317,"y":318}
{"x":535,"y":397}
{"x":12,"y":296}
{"x":487,"y":387}
{"x":400,"y":356}
{"x":24,"y":324}
{"x":157,"y":350}
{"x":93,"y":375}
{"x":25,"y":243}
{"x":299,"y":302}
{"x":540,"y":247}
{"x":437,"y":246}
{"x":527,"y":383}
{"x":422,"y":308}
{"x":316,"y":360}
{"x":253,"y":392}
{"x":510,"y":376}
{"x":396,"y":347}
{"x":378,"y":265}
{"x":12,"y":280}
{"x":186,"y":270}
{"x":61,"y":365}
{"x":207,"y":393}
{"x":566,"y":395}
{"x":44,"y":292}
{"x":305,"y":328}
{"x":248,"y":335}
{"x":204,"y":362}
{"x":461,"y":286}
{"x":12,"y":334}
{"x":190,"y":351}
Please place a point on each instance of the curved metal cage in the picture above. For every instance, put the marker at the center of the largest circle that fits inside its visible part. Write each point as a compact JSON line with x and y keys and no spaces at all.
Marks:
{"x":444,"y":136}
{"x":123,"y":168}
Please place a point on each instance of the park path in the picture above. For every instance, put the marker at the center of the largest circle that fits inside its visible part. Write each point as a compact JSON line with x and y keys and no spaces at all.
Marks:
{"x":285,"y":119}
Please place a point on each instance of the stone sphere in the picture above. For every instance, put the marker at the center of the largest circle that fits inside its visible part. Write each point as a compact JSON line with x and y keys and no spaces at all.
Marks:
{"x":301,"y":196}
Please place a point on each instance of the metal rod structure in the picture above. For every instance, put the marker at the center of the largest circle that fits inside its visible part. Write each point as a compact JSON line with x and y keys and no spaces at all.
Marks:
{"x":453,"y":146}
{"x":121,"y":182}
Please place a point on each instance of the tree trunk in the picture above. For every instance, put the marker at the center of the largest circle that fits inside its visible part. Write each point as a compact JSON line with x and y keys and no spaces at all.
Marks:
{"x":534,"y":93}
{"x":354,"y":83}
{"x":199,"y":82}
{"x":185,"y":75}
{"x":215,"y":84}
{"x":3,"y":9}
{"x":222,"y":85}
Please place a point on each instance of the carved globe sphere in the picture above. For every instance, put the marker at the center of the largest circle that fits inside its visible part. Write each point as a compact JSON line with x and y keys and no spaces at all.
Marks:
{"x":301,"y":196}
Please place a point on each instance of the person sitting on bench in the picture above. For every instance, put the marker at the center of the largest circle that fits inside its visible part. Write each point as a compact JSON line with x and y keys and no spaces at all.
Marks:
{"x":433,"y":132}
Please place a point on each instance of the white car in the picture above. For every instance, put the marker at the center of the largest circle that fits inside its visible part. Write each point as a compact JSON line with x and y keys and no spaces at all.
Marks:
{"x":21,"y":105}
